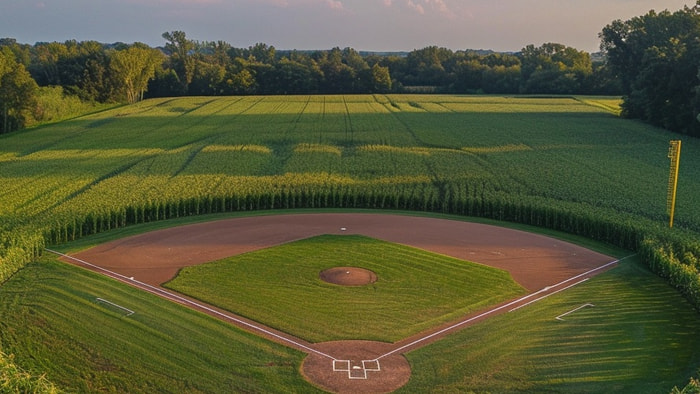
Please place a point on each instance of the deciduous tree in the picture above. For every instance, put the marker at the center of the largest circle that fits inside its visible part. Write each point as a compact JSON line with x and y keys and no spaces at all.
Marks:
{"x":133,"y":68}
{"x":183,"y":63}
{"x":17,"y":92}
{"x":656,"y":58}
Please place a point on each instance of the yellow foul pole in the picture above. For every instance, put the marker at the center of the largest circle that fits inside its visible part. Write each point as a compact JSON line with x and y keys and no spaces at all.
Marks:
{"x":674,"y":153}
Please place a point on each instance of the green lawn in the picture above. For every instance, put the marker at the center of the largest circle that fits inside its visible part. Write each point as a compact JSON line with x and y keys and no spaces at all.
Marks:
{"x":51,"y":321}
{"x":280,"y":287}
{"x":639,"y":337}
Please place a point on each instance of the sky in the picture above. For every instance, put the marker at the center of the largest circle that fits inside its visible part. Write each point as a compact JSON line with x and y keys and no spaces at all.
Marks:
{"x":365,"y":25}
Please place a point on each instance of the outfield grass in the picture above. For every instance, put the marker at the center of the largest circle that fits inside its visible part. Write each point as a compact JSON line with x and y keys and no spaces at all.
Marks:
{"x":280,"y":287}
{"x":639,"y":337}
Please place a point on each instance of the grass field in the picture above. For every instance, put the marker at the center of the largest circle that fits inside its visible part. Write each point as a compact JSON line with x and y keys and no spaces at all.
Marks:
{"x":639,"y":337}
{"x":543,"y":161}
{"x":170,"y":150}
{"x":52,"y":322}
{"x":280,"y":287}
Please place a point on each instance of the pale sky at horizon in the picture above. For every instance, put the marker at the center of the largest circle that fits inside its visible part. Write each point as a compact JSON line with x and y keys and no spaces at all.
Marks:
{"x":372,"y":25}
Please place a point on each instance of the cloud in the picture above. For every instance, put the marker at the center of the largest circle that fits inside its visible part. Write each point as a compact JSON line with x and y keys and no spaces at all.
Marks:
{"x":423,"y":7}
{"x":415,"y":6}
{"x":175,"y":2}
{"x":278,"y":3}
{"x":334,"y":4}
{"x":440,"y":6}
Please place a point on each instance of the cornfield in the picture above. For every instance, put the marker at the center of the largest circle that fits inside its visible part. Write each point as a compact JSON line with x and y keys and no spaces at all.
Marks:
{"x":562,"y":163}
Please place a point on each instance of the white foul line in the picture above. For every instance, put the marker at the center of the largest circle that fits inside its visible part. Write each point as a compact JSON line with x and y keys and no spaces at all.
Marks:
{"x":502,"y":307}
{"x":175,"y":297}
{"x":547,"y":295}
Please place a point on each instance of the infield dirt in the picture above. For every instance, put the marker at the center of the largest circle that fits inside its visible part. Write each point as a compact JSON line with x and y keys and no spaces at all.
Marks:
{"x":536,"y":262}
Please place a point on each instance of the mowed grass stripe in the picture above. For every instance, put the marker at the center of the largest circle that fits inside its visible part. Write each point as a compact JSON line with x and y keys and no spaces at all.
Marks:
{"x":52,"y":322}
{"x":637,"y":338}
{"x":280,"y":287}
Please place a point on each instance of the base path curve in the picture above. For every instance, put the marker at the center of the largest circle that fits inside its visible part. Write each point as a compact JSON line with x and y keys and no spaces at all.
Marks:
{"x":535,"y":261}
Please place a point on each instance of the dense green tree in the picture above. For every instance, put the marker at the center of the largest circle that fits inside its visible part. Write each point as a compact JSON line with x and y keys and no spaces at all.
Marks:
{"x":94,"y":83}
{"x":381,"y":79}
{"x":262,"y":53}
{"x":134,"y":67}
{"x":242,"y":82}
{"x":208,"y":79}
{"x":81,"y":68}
{"x":469,"y":76}
{"x":165,"y":83}
{"x":22,"y":52}
{"x":338,"y":76}
{"x":655,"y":56}
{"x":17,"y":92}
{"x":293,"y":77}
{"x":554,"y":68}
{"x":501,"y":79}
{"x":427,"y":66}
{"x":44,"y":67}
{"x":182,"y":62}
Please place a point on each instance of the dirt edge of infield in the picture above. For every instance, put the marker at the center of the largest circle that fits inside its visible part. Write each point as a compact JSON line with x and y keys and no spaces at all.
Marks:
{"x":534,"y":261}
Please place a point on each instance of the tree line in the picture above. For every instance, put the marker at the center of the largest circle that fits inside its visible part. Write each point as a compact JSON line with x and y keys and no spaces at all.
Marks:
{"x":651,"y":60}
{"x":114,"y":73}
{"x":656,"y":58}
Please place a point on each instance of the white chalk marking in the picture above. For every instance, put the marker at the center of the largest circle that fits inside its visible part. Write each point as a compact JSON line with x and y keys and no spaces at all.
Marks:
{"x":128,"y":311}
{"x":572,"y":311}
{"x":185,"y":301}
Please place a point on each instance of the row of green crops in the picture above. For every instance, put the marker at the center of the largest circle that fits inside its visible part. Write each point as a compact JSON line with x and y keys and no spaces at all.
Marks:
{"x":552,"y":162}
{"x":607,"y":226}
{"x":15,"y":380}
{"x":677,"y":260}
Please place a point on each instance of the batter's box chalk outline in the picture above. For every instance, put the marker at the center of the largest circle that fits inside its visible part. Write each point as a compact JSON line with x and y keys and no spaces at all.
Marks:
{"x":356,"y":369}
{"x":561,"y":317}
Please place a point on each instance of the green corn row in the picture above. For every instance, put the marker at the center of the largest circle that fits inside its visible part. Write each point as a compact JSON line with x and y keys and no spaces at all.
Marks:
{"x":672,"y":257}
{"x":677,"y":260}
{"x":15,"y":380}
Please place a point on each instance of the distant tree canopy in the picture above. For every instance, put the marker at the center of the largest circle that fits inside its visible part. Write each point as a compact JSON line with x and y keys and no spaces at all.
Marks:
{"x":127,"y":73}
{"x":17,"y":90}
{"x":656,"y":58}
{"x":651,"y":59}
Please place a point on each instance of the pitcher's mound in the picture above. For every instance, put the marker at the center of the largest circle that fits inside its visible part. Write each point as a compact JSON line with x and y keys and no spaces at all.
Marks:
{"x":348,"y":276}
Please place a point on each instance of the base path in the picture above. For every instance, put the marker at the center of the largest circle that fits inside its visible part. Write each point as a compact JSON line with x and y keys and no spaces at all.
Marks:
{"x":540,"y":264}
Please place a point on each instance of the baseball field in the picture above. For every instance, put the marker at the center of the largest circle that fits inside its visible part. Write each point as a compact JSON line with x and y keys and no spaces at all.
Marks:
{"x":348,"y":244}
